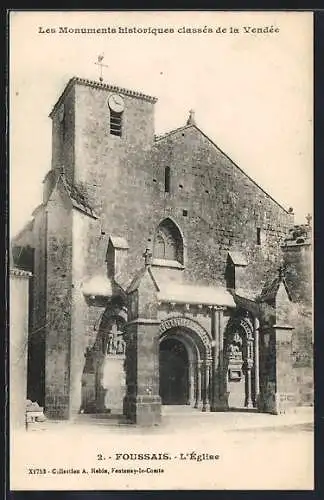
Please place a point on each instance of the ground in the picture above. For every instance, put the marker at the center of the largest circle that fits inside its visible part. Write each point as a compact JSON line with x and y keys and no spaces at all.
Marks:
{"x":234,"y":450}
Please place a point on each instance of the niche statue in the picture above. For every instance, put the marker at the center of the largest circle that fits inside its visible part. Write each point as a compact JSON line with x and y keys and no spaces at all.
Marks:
{"x":115,"y":342}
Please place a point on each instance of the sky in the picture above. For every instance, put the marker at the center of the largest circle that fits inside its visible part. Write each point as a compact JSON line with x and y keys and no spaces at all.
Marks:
{"x":252,"y":92}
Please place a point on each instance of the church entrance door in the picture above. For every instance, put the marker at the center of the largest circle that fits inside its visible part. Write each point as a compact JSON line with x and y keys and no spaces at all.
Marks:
{"x":174,"y":372}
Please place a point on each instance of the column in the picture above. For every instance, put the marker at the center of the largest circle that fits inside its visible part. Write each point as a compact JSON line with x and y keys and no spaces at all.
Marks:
{"x":248,"y":398}
{"x":218,"y":384}
{"x":256,"y":362}
{"x":198,"y":384}
{"x":205,"y":384}
{"x":285,"y":384}
{"x":210,"y":383}
{"x":191,"y":389}
{"x":222,"y":377}
{"x":214,"y":361}
{"x":142,"y":403}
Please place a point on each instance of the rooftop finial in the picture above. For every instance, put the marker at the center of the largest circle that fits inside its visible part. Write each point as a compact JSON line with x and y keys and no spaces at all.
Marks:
{"x":101,"y":65}
{"x":191,"y":120}
{"x":308,"y":219}
{"x":147,"y":257}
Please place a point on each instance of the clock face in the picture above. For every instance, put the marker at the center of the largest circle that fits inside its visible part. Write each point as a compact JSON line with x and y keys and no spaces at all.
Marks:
{"x":116,"y":103}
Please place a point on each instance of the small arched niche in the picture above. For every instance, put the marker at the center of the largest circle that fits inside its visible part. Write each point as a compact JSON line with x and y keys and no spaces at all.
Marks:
{"x":168,"y":243}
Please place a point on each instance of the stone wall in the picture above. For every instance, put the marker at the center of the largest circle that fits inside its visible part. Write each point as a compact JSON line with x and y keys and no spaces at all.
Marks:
{"x":298,"y":258}
{"x":18,"y":340}
{"x":58,"y":310}
{"x":217,"y":207}
{"x":63,"y":135}
{"x":224,"y":208}
{"x":37,"y":330}
{"x":124,"y":181}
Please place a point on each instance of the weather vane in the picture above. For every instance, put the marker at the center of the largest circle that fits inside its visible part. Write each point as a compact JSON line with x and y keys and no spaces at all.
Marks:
{"x":101,"y":65}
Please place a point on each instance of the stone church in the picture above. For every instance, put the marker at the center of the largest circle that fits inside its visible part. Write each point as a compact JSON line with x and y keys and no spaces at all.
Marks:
{"x":162,"y":274}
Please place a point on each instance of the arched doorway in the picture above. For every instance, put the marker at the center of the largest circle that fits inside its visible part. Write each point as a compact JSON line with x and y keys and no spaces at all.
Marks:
{"x":184,"y":363}
{"x":174,"y":372}
{"x":239,"y":355}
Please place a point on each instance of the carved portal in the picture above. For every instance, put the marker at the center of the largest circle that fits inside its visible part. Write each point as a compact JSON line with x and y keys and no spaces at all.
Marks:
{"x":196,"y":388}
{"x":239,"y":363}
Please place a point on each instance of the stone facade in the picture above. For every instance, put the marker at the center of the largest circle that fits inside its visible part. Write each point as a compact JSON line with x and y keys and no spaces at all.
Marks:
{"x":214,"y":241}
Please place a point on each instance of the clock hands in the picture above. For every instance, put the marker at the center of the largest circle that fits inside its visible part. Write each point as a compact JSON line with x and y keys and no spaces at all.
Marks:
{"x":117,"y":102}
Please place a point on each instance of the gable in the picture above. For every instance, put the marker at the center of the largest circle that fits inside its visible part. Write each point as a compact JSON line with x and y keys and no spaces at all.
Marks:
{"x":211,"y":169}
{"x":237,"y":258}
{"x":275,"y":289}
{"x":59,"y":196}
{"x":283,"y":294}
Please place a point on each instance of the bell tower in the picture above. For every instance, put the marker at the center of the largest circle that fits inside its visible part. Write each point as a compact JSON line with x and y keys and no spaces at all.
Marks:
{"x":97,"y":130}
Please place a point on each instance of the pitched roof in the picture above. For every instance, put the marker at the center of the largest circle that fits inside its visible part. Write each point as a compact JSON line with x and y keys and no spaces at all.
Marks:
{"x":246,"y":303}
{"x":119,"y":242}
{"x":194,"y":294}
{"x":237,"y":258}
{"x":138,"y":278}
{"x":271,"y":287}
{"x":171,"y":132}
{"x":134,"y":284}
{"x":78,"y":199}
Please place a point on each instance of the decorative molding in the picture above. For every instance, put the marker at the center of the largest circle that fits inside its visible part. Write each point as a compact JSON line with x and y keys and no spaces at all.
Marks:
{"x":283,"y":327}
{"x":20,"y":273}
{"x":103,"y":86}
{"x":142,"y":321}
{"x":185,"y":322}
{"x":172,"y":264}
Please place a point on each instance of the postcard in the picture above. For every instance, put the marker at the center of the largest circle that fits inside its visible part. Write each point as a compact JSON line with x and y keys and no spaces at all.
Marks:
{"x":161,"y":309}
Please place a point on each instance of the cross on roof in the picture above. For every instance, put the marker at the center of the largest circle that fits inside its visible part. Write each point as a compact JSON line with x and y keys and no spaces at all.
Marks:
{"x":147,"y":257}
{"x":101,"y":65}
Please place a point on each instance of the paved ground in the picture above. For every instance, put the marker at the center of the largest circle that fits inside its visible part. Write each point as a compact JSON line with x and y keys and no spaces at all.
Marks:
{"x":177,"y":418}
{"x":254,"y":451}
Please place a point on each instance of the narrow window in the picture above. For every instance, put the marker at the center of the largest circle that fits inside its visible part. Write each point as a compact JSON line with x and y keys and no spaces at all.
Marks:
{"x":167,"y":179}
{"x":115,"y":123}
{"x":258,"y":236}
{"x":185,"y":213}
